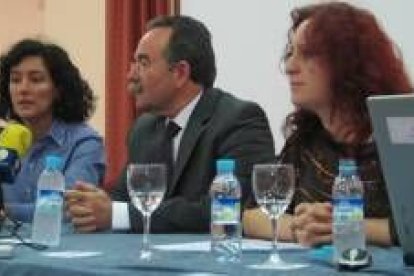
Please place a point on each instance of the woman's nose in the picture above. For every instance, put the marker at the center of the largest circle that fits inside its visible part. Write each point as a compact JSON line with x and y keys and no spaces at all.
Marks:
{"x":291,"y":65}
{"x":21,"y":86}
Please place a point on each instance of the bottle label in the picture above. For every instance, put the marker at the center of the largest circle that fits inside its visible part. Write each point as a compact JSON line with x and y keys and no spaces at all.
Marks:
{"x":49,"y":201}
{"x":225,"y":210}
{"x":51,"y":194}
{"x":348,"y":209}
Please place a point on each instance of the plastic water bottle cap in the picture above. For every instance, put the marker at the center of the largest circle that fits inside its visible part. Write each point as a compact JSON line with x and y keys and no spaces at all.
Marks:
{"x":225,"y":165}
{"x":347,"y":162}
{"x":347,"y":166}
{"x":53,"y":162}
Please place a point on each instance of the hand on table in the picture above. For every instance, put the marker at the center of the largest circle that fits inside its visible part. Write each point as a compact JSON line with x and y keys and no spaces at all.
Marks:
{"x":88,"y":207}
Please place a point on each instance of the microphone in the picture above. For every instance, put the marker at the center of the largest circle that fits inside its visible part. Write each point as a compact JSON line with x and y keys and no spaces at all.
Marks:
{"x":15,"y":140}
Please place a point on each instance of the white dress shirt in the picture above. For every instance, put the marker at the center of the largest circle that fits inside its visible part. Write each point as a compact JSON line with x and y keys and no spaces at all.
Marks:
{"x":120,"y":213}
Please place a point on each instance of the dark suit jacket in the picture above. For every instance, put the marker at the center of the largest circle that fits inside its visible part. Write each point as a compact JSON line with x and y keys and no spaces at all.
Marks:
{"x":220,"y":126}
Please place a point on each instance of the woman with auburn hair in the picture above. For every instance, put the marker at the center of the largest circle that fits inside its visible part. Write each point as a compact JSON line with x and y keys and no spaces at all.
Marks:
{"x":336,"y":56}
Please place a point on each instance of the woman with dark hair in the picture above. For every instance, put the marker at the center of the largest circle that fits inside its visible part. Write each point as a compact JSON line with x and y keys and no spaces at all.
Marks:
{"x":41,"y":88}
{"x":337,"y":55}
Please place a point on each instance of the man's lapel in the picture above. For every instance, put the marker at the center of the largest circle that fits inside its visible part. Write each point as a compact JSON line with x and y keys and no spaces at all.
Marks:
{"x":196,"y":125}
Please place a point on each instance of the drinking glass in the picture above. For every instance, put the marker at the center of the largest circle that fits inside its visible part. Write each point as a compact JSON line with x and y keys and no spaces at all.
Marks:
{"x":146,"y":187}
{"x":273,"y":187}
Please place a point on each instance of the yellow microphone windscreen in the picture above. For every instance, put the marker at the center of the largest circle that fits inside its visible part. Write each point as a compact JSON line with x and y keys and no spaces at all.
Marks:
{"x":16,"y":136}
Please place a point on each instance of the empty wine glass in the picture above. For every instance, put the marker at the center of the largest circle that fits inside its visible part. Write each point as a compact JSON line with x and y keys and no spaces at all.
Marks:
{"x":273,"y":187}
{"x":146,"y":187}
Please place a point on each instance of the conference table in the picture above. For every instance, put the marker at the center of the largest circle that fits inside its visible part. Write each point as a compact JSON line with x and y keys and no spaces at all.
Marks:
{"x":174,"y":254}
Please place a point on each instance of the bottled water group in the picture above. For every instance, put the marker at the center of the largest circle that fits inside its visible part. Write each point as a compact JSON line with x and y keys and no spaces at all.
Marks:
{"x":226,"y":230}
{"x":348,"y":209}
{"x":47,"y":221}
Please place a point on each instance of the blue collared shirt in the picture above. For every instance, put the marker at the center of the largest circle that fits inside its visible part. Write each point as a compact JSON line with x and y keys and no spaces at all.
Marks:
{"x":82,"y":152}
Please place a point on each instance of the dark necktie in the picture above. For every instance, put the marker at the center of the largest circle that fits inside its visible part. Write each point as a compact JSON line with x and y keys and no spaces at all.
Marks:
{"x":167,"y":148}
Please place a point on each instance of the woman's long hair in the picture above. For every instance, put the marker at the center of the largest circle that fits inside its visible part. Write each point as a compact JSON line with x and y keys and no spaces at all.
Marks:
{"x":362,"y":59}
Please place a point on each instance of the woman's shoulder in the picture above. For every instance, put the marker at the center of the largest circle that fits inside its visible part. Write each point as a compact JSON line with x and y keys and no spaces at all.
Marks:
{"x":297,"y":141}
{"x":74,"y":132}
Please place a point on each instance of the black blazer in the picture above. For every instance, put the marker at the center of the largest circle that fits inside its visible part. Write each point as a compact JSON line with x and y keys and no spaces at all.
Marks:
{"x":220,"y":126}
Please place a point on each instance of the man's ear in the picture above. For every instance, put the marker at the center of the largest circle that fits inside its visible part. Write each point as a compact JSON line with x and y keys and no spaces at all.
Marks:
{"x":182,"y":72}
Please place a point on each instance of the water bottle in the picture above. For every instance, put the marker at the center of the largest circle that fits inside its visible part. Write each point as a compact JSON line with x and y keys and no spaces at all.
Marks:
{"x":348,"y":209}
{"x":47,"y":221}
{"x":226,"y":235}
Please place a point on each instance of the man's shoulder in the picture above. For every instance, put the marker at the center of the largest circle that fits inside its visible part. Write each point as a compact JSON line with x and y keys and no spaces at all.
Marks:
{"x":229,"y":105}
{"x":227,"y":98}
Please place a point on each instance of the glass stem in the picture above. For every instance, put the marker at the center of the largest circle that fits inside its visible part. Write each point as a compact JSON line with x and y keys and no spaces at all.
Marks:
{"x":274,"y":255}
{"x":145,"y":238}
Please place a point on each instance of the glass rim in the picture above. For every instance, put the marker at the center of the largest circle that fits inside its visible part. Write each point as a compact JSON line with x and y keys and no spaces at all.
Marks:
{"x":146,"y":168}
{"x":147,"y":165}
{"x":272,"y":165}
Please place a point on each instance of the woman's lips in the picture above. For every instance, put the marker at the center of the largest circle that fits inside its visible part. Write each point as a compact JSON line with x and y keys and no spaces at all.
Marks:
{"x":296,"y":83}
{"x":25,"y":103}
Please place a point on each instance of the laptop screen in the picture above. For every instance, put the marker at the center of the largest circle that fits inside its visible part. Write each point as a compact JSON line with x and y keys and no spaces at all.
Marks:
{"x":392,"y":120}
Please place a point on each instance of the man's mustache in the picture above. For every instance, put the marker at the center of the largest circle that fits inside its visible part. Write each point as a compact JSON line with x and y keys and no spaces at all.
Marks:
{"x":134,"y":87}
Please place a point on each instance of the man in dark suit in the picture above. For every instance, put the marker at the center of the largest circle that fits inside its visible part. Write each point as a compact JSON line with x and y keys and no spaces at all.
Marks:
{"x":172,"y":77}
